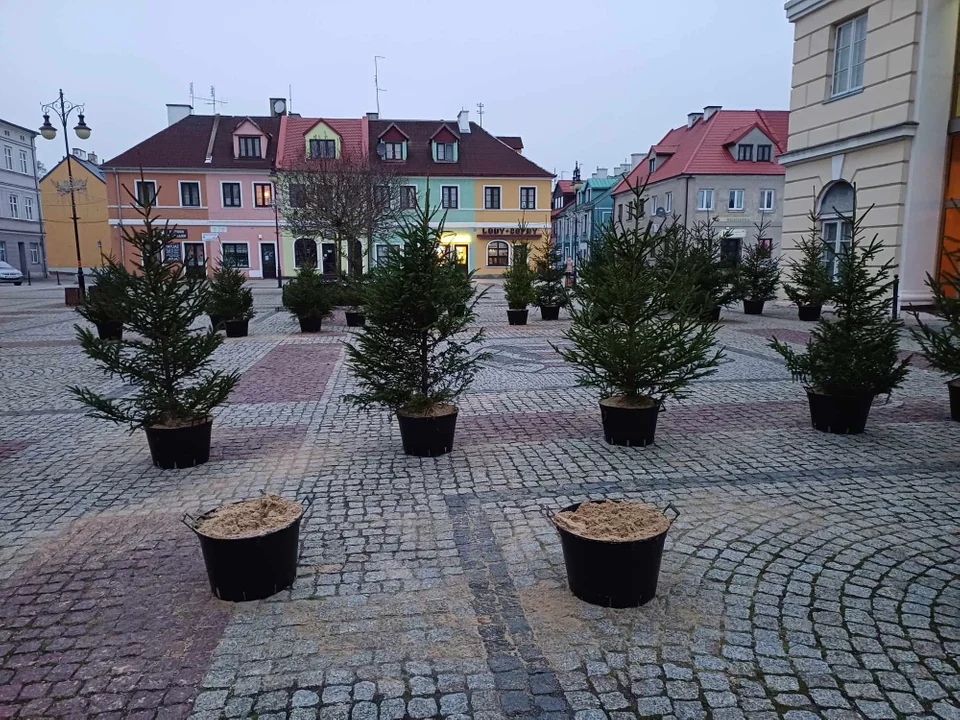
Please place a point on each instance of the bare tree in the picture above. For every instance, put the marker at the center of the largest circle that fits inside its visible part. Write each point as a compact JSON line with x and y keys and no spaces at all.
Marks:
{"x":344,"y":200}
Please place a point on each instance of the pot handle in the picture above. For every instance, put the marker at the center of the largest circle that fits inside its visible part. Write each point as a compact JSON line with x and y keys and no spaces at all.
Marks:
{"x":676,"y":513}
{"x":308,"y":500}
{"x":192,"y":524}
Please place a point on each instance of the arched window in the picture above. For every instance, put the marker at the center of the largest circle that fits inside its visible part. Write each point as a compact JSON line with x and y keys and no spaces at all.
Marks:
{"x":498,"y":254}
{"x":305,"y":251}
{"x":836,"y":199}
{"x":836,"y":205}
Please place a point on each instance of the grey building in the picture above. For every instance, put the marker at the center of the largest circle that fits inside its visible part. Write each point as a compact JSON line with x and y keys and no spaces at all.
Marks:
{"x":21,"y":226}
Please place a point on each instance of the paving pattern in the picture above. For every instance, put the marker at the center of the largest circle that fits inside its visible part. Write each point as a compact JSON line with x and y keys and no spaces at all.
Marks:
{"x":808,"y":575}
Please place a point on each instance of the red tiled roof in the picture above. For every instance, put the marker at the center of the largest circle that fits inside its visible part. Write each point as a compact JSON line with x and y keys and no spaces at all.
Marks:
{"x":480,"y":153}
{"x":566,"y":186}
{"x":350,"y":131}
{"x":513,"y":141}
{"x":702,"y":149}
{"x":184,"y":145}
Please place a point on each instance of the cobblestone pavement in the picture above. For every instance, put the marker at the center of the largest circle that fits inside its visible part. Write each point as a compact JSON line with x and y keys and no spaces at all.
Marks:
{"x":808,"y":575}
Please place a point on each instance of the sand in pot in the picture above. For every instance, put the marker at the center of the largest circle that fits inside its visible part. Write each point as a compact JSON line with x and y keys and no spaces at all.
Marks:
{"x":613,"y":521}
{"x":250,"y":518}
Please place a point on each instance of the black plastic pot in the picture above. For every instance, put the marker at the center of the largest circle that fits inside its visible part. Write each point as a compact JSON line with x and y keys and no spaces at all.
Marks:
{"x":110,"y":330}
{"x":954,"y":388}
{"x":517,"y":317}
{"x":216,"y":321}
{"x":241,"y":569}
{"x":310,"y":325}
{"x":629,"y":426}
{"x":180,"y":447}
{"x":427,"y":436}
{"x":841,"y":414}
{"x":237,"y":328}
{"x":613,"y":574}
{"x":752,"y":307}
{"x":355,"y":319}
{"x":711,"y":316}
{"x":809,"y":313}
{"x":549,"y":312}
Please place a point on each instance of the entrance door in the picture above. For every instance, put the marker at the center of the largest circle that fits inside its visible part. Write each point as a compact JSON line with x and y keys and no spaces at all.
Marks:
{"x":460,"y":255}
{"x":329,"y":258}
{"x":194,"y":258}
{"x":268,"y":259}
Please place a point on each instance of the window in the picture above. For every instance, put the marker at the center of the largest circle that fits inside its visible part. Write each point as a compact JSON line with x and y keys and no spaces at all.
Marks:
{"x":836,"y":236}
{"x":323,"y":148}
{"x":745,"y":152}
{"x":498,"y":254}
{"x":729,"y":250}
{"x":34,"y":253}
{"x":408,"y":197}
{"x":3,"y":251}
{"x":305,"y":252}
{"x":491,"y":198}
{"x":8,"y":157}
{"x":14,"y":206}
{"x":652,"y":166}
{"x":668,"y":203}
{"x":653,"y":204}
{"x":231,"y":194}
{"x":236,"y":255}
{"x":620,"y":212}
{"x":393,"y":151}
{"x":528,"y":198}
{"x":766,"y":200}
{"x":263,"y":194}
{"x":764,"y":153}
{"x":189,"y":194}
{"x":736,"y":200}
{"x":704,"y":199}
{"x":849,"y":51}
{"x":146,"y":192}
{"x":23,"y":161}
{"x":450,"y":196}
{"x":383,"y":251}
{"x":445,"y":152}
{"x":249,"y":146}
{"x":28,"y":208}
{"x":297,"y":196}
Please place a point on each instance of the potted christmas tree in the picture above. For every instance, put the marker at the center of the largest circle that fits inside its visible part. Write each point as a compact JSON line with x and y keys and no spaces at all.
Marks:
{"x":633,"y":337}
{"x":940,"y":344}
{"x":414,"y":355}
{"x":352,"y":297}
{"x":230,"y":301}
{"x":309,"y":298}
{"x":853,"y":358}
{"x":758,"y":275}
{"x":105,"y":303}
{"x":811,"y":284}
{"x":550,"y":290}
{"x":518,"y":284}
{"x":690,"y":264}
{"x":168,"y":363}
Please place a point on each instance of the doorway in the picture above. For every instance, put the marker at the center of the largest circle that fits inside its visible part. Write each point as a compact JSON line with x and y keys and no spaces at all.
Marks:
{"x":194,"y":258}
{"x":460,"y":253}
{"x":268,"y":259}
{"x":328,"y":253}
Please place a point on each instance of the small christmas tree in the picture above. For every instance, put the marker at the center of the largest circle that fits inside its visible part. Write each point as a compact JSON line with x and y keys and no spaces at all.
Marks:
{"x":228,"y":296}
{"x":308,"y":298}
{"x":758,"y":274}
{"x":691,"y":266}
{"x":811,"y":284}
{"x":550,"y":275}
{"x":940,"y":344}
{"x":519,"y":278}
{"x":106,"y":301}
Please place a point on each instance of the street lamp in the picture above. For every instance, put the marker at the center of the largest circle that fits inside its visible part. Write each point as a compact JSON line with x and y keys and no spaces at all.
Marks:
{"x":63,"y":109}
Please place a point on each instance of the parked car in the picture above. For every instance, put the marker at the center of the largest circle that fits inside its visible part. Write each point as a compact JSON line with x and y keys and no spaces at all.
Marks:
{"x":9,"y":274}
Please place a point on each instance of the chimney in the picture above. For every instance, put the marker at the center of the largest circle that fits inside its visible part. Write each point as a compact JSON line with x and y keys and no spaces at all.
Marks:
{"x":710,"y":110}
{"x":601,"y":172}
{"x":463,"y":121}
{"x":693,"y":117}
{"x":78,"y":153}
{"x":92,"y":157}
{"x":373,"y":116}
{"x":176,"y":113}
{"x":278,"y":107}
{"x":636,"y":159}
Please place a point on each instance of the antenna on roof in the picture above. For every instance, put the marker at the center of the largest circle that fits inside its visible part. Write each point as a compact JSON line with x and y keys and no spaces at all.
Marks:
{"x":290,"y":98}
{"x":212,"y":100}
{"x":480,"y":112}
{"x":376,"y":79}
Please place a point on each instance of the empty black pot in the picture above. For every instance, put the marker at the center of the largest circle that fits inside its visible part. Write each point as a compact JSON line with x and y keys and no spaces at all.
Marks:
{"x":517,"y":317}
{"x":954,"y":388}
{"x":613,"y":574}
{"x":753,"y":307}
{"x":110,"y":330}
{"x":310,"y":325}
{"x":236,"y":328}
{"x":841,"y":414}
{"x":711,"y":316}
{"x":427,"y":436}
{"x":809,"y":313}
{"x":629,"y":425}
{"x":180,"y":447}
{"x":549,"y":312}
{"x":216,"y":321}
{"x":254,"y":568}
{"x":355,"y":319}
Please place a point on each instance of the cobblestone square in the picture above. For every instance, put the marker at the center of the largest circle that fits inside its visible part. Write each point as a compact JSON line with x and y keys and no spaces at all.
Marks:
{"x":808,"y":575}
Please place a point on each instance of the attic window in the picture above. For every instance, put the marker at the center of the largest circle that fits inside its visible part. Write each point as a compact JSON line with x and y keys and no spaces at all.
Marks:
{"x":763,"y":153}
{"x":445,"y":152}
{"x":323,"y":148}
{"x":250,"y":146}
{"x":653,"y":164}
{"x":393,"y":151}
{"x":745,"y":152}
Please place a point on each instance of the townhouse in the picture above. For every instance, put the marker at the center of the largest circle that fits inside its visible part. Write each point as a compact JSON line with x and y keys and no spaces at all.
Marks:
{"x":21,"y":226}
{"x":579,"y":222}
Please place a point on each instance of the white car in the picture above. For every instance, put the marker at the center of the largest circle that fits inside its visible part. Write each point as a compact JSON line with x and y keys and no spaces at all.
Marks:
{"x":9,"y":274}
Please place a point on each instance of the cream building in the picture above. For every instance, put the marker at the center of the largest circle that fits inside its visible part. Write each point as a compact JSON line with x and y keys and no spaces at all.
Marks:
{"x":872,"y":105}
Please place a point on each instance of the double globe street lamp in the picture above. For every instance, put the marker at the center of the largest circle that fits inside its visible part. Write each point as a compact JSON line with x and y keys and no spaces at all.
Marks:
{"x":63,"y":109}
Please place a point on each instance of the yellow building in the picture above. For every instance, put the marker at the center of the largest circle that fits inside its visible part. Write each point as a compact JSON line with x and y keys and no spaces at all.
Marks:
{"x":90,"y":193}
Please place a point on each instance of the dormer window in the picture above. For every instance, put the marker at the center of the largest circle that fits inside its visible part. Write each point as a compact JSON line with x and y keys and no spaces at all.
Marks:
{"x":445,"y":152}
{"x":745,"y":152}
{"x":250,"y":146}
{"x":764,"y":153}
{"x":323,"y":149}
{"x":393,"y":151}
{"x":653,"y":164}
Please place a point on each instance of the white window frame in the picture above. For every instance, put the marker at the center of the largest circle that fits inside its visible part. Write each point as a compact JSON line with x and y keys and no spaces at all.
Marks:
{"x":253,"y":193}
{"x":24,"y":165}
{"x":13,"y":202}
{"x":34,"y":253}
{"x":654,"y":200}
{"x":450,"y":187}
{"x":668,"y":203}
{"x":27,"y":207}
{"x":849,"y":58}
{"x":3,"y":251}
{"x":520,"y":197}
{"x":136,"y":189}
{"x":445,"y":159}
{"x":768,"y":193}
{"x":238,"y":242}
{"x":735,"y":195}
{"x":180,"y":184}
{"x":499,"y":197}
{"x":379,"y":261}
{"x":704,"y":194}
{"x":8,"y":157}
{"x":841,"y":228}
{"x":231,"y":182}
{"x":395,"y":147}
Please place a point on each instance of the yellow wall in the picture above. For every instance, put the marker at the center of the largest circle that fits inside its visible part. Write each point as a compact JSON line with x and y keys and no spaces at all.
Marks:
{"x":321,"y":131}
{"x":510,"y":212}
{"x":57,"y":223}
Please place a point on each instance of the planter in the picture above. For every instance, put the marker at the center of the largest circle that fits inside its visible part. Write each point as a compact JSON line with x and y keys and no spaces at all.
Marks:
{"x":752,"y":307}
{"x":71,"y":296}
{"x":310,"y":325}
{"x":355,"y":318}
{"x":216,"y":321}
{"x":517,"y":317}
{"x":236,"y":328}
{"x":841,"y":414}
{"x":110,"y":330}
{"x":612,"y":574}
{"x":180,"y":447}
{"x":954,"y":388}
{"x":632,"y":426}
{"x":427,"y":436}
{"x":711,"y":316}
{"x":250,"y":568}
{"x":809,"y":313}
{"x":549,"y":312}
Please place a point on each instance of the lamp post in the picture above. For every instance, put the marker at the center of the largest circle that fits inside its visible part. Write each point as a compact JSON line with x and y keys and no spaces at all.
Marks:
{"x":63,"y":109}
{"x":276,"y":220}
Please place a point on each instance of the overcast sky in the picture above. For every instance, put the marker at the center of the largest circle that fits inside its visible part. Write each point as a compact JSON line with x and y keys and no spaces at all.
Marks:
{"x":591,"y":81}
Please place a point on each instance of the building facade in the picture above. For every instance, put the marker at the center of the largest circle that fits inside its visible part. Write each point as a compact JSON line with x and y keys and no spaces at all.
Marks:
{"x":873,"y":105}
{"x":581,"y":221}
{"x":721,"y":167}
{"x":93,"y":222}
{"x":21,"y":219}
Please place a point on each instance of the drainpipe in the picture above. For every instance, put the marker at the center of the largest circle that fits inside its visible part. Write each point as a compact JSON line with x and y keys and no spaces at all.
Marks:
{"x":686,"y":201}
{"x":123,"y":254}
